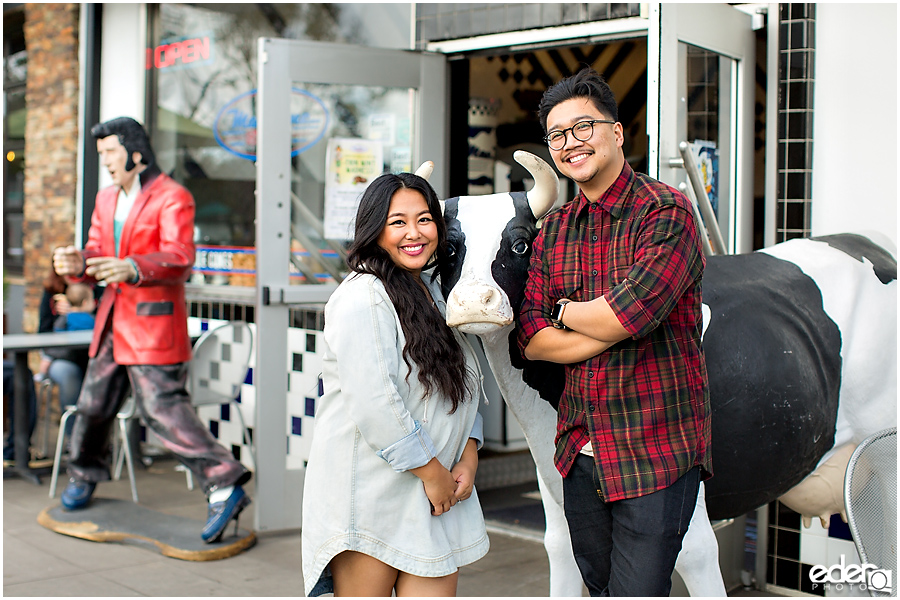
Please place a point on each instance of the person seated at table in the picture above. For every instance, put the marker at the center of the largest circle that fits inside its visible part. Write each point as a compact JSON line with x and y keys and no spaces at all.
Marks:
{"x":9,"y":443}
{"x":53,"y":304}
{"x":69,"y":365}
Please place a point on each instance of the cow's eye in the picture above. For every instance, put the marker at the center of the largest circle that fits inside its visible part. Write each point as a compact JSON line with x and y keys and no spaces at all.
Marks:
{"x":520,"y":247}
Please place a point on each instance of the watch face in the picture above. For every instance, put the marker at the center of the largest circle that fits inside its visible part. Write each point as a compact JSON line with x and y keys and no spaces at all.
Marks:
{"x":554,"y":314}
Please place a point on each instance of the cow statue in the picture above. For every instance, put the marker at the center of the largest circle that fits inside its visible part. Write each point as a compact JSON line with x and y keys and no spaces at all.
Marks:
{"x":801,"y":351}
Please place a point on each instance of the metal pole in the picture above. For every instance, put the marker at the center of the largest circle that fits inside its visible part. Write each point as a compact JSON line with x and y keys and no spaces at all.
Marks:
{"x":273,"y":510}
{"x":704,"y":236}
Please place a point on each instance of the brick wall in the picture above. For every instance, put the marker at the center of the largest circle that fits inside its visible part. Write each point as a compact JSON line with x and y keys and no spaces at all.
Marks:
{"x":51,"y":139}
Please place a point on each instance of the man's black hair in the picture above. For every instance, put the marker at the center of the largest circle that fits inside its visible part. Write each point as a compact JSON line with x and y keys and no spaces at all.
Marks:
{"x":131,"y":135}
{"x":587,"y":83}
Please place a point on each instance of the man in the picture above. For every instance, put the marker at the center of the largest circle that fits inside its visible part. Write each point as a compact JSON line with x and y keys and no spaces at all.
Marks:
{"x":614,"y":294}
{"x":141,"y":246}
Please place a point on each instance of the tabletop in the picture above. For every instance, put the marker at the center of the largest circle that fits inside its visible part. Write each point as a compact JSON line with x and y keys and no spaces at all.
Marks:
{"x":17,"y":342}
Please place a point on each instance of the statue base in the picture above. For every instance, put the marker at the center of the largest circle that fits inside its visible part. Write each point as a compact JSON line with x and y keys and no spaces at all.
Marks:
{"x":122,"y":521}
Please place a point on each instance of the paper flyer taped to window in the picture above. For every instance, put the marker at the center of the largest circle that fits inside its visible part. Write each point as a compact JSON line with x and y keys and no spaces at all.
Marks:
{"x":350,"y":166}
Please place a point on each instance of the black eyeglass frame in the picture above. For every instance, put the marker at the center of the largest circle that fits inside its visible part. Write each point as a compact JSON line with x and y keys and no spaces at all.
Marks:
{"x":565,"y":131}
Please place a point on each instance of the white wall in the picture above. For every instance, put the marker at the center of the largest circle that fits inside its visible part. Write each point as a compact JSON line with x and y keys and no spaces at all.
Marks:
{"x":855,"y":121}
{"x":123,"y":74}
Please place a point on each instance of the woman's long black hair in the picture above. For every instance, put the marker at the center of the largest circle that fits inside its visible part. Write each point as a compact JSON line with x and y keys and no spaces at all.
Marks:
{"x":430,"y":343}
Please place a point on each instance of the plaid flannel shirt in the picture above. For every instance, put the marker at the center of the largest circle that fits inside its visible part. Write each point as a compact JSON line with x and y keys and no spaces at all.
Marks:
{"x":643,"y":403}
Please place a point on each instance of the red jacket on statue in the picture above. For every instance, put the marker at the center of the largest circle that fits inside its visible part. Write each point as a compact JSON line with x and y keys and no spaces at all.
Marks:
{"x":149,"y":323}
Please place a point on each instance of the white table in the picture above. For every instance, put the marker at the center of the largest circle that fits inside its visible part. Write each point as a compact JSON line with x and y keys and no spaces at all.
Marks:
{"x":21,"y":344}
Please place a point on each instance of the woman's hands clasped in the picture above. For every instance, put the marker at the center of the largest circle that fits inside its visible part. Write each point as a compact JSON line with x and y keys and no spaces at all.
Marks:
{"x":463,"y":472}
{"x":440,"y":486}
{"x":445,"y":489}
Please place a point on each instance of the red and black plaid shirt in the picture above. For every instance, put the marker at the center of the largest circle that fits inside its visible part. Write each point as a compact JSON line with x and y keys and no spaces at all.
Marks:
{"x":643,"y":403}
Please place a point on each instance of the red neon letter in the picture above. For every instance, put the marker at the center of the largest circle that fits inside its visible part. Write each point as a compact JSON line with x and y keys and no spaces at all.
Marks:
{"x":204,"y":47}
{"x":160,"y":57}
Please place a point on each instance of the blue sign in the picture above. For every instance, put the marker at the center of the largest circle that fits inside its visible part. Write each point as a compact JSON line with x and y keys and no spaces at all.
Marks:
{"x":235,"y":125}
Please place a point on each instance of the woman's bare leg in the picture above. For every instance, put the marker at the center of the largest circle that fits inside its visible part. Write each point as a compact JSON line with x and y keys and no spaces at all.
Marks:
{"x":358,"y":574}
{"x":413,"y":585}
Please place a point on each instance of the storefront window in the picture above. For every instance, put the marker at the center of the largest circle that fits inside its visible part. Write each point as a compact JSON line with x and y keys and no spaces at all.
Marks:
{"x":703,"y":83}
{"x":202,"y":77}
{"x":15,"y":72}
{"x":365,"y":131}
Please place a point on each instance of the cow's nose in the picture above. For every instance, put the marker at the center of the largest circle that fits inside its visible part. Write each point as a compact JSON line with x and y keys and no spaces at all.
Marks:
{"x":489,"y":296}
{"x":484,"y":296}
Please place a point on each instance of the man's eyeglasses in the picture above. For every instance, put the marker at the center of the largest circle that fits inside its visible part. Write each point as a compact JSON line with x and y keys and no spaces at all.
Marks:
{"x":581,"y":131}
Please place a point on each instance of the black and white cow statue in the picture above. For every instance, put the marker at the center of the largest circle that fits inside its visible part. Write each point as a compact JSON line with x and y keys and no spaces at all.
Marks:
{"x":801,"y":350}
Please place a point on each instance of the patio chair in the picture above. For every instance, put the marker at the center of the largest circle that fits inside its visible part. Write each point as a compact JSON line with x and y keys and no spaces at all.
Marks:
{"x":218,"y":369}
{"x":870,"y":494}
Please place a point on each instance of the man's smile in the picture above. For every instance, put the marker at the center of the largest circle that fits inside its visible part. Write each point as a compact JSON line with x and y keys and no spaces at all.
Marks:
{"x":577,"y":157}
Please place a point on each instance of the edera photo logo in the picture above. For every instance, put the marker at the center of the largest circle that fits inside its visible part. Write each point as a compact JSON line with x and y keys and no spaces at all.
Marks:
{"x":866,"y":577}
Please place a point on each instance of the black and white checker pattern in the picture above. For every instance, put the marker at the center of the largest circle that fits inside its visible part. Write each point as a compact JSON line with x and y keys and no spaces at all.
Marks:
{"x":794,"y":549}
{"x":304,"y":369}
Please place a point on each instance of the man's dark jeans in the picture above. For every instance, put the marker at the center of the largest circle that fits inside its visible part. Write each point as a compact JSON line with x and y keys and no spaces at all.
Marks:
{"x":627,"y":547}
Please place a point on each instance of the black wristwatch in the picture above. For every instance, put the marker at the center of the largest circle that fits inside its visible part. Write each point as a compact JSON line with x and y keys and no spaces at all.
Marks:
{"x":556,"y":314}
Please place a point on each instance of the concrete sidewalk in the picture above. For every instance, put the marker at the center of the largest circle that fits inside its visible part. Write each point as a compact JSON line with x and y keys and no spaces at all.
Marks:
{"x":40,"y":562}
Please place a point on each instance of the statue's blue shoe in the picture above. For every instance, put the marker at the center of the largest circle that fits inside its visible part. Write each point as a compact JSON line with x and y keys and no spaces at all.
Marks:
{"x":219,"y":514}
{"x":77,"y":494}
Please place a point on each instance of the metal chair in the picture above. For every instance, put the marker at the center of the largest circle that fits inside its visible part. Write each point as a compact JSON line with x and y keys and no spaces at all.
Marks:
{"x":218,"y":368}
{"x":45,"y":393}
{"x":121,"y":445}
{"x":870,"y":495}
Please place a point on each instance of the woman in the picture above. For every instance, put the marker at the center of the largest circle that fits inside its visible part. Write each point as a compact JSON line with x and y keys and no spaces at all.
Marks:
{"x":389,"y":503}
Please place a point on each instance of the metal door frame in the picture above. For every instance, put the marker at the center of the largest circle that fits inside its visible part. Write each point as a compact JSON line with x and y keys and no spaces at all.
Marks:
{"x":727,"y":31}
{"x":280,"y":63}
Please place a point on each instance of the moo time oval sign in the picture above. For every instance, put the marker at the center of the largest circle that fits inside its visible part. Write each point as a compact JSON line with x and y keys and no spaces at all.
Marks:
{"x":235,"y":125}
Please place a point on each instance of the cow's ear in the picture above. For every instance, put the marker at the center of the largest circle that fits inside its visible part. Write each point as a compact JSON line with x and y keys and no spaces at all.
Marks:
{"x":424,"y":171}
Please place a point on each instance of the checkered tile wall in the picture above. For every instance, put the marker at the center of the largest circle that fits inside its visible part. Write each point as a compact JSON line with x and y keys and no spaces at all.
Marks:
{"x":794,"y":549}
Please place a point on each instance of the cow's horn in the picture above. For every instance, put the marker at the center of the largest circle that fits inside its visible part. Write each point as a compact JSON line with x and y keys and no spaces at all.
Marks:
{"x":425,"y":170}
{"x":546,"y":184}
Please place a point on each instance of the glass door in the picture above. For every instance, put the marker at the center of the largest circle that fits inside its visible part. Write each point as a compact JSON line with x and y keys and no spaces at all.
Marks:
{"x":702,"y":60}
{"x":329,"y":119}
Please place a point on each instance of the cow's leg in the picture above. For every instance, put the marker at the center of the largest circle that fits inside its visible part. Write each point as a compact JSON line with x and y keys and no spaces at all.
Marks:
{"x":565,"y":578}
{"x":538,"y":422}
{"x":698,"y":561}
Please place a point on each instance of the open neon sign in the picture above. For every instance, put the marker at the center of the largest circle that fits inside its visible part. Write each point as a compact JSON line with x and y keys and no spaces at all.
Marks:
{"x":186,"y":52}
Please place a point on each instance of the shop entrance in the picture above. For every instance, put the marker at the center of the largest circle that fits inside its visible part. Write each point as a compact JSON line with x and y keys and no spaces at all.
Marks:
{"x":503,"y":93}
{"x":680,"y":73}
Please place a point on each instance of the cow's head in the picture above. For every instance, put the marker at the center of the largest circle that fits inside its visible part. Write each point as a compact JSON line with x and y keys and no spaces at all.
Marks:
{"x":490,"y":238}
